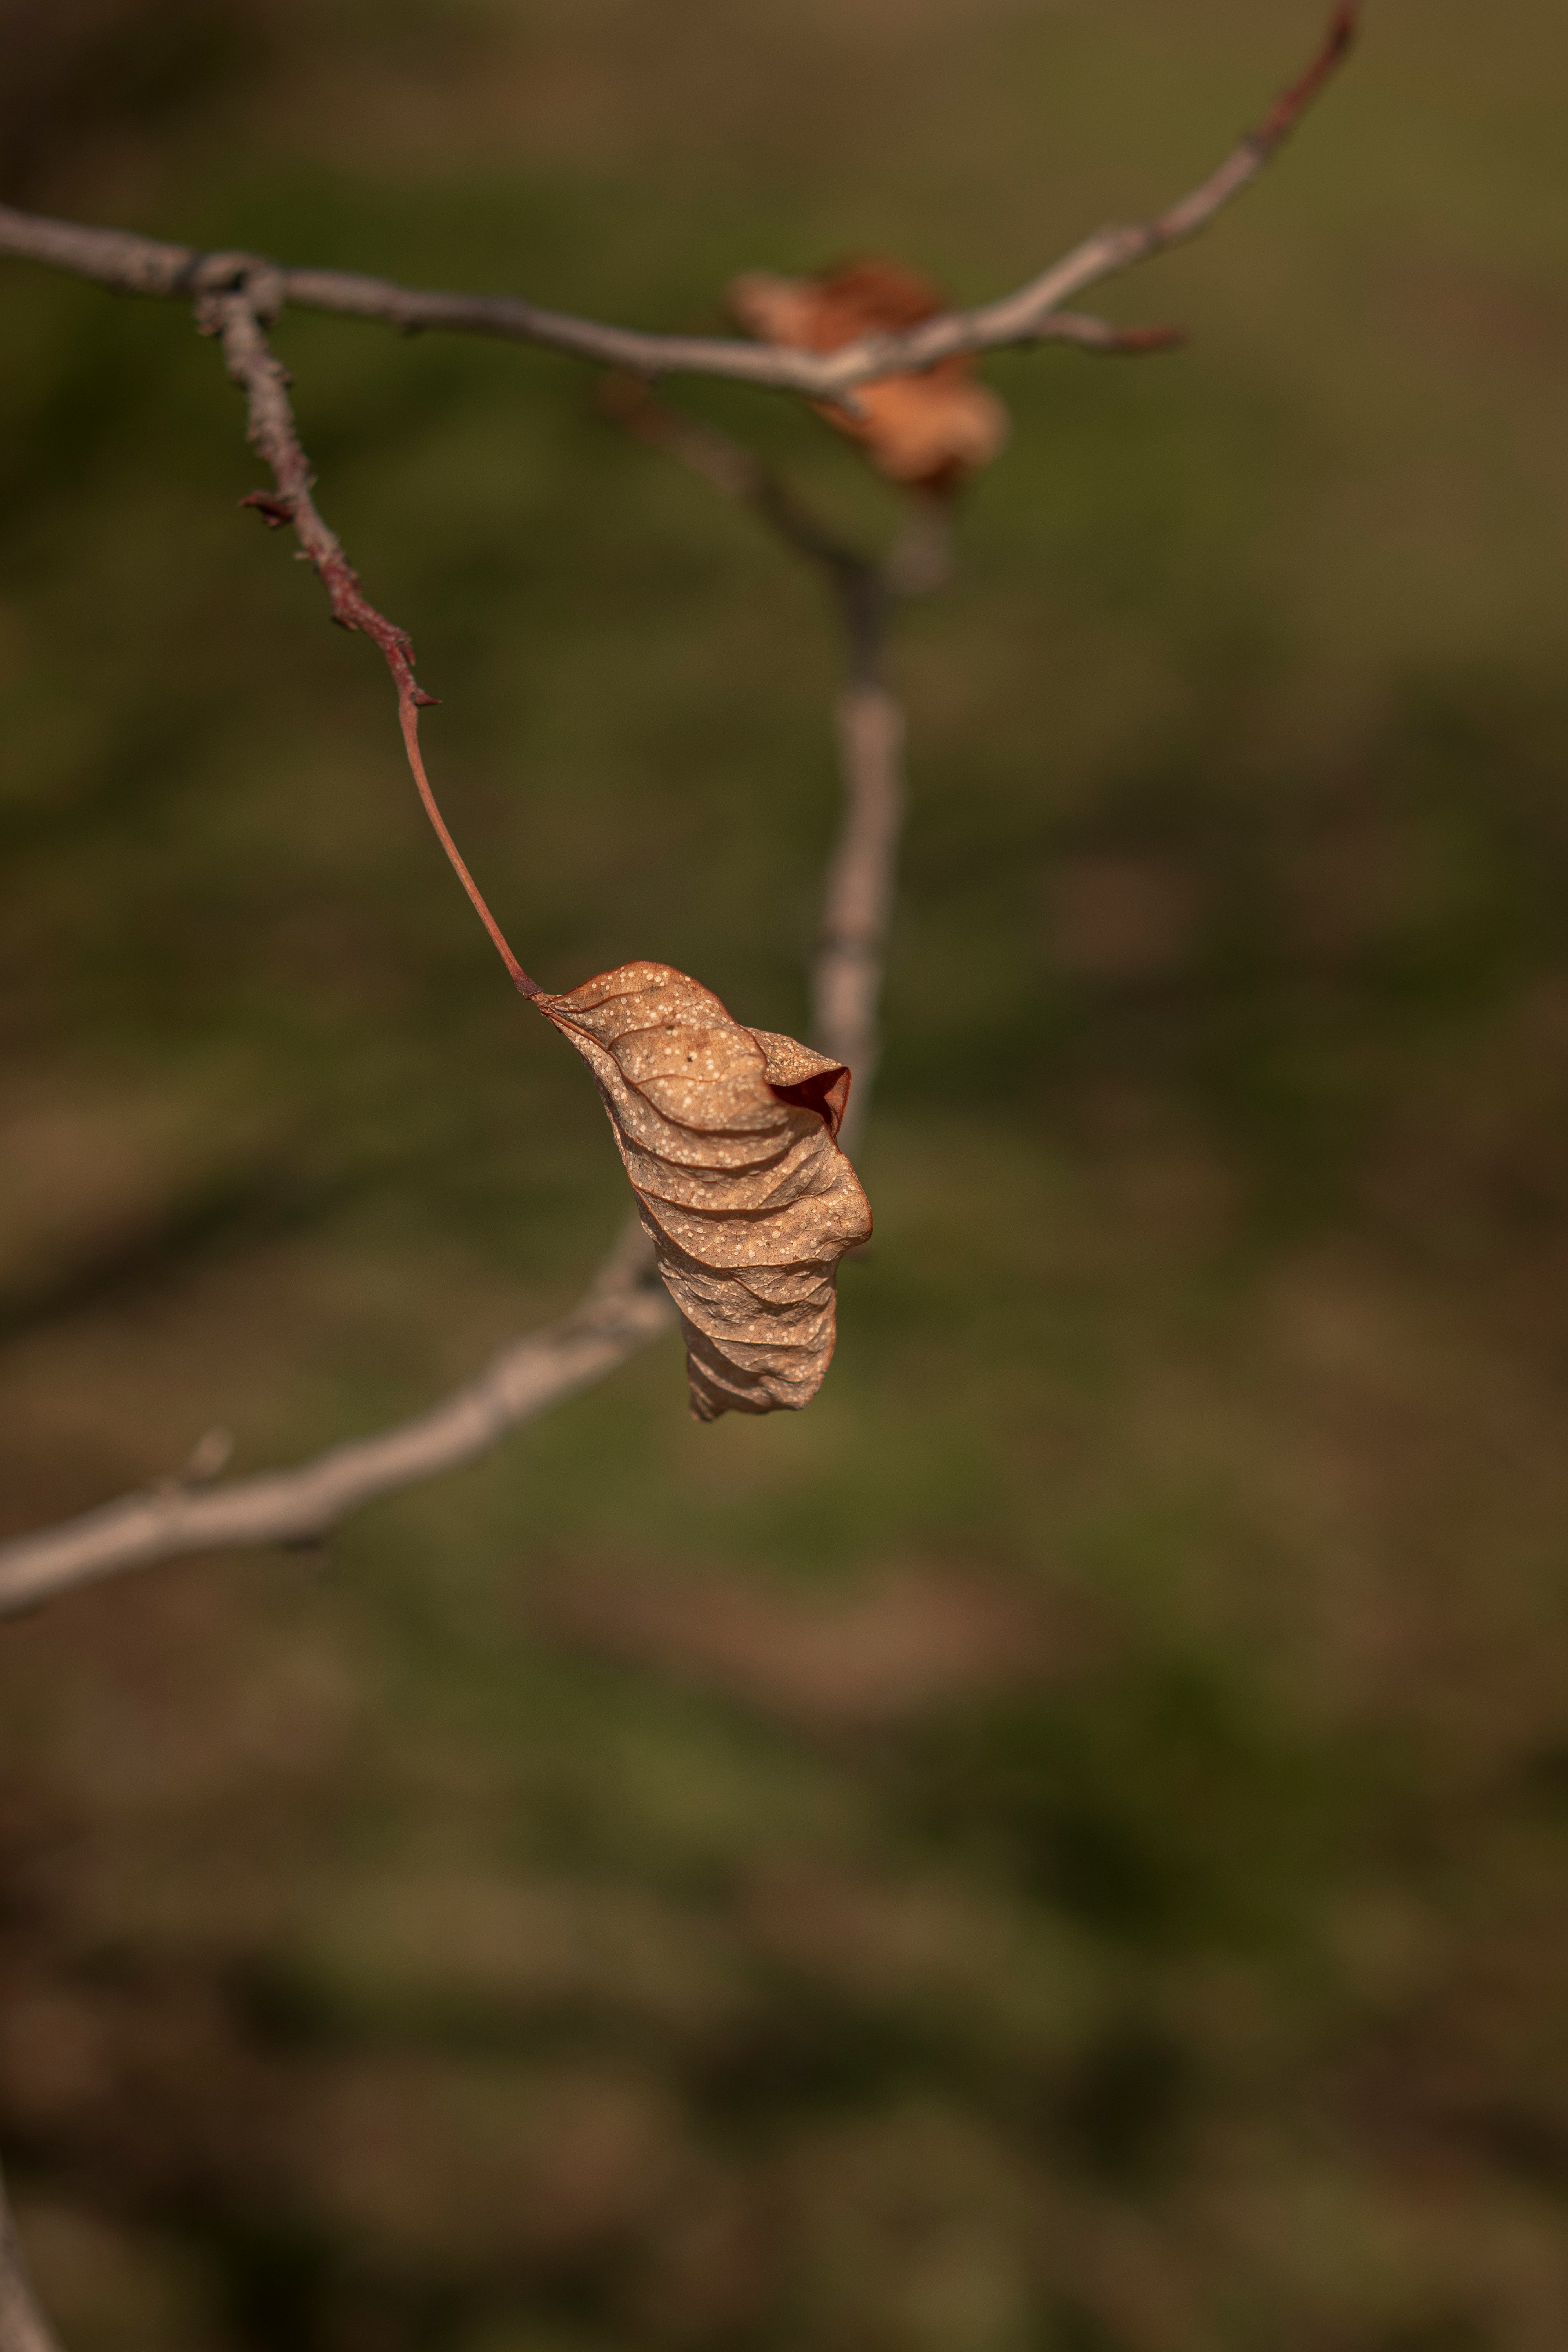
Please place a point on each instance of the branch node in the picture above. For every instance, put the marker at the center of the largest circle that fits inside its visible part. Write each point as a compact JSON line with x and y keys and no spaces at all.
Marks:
{"x":262,"y":283}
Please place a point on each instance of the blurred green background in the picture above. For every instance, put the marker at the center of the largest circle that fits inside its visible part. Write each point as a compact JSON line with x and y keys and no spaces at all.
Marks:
{"x":1060,"y":1848}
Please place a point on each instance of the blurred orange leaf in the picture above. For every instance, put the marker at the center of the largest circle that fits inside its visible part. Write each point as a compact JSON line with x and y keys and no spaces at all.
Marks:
{"x":727,"y":1136}
{"x":928,"y":431}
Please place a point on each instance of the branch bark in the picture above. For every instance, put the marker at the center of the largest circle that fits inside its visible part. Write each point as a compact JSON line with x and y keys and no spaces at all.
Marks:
{"x":857,"y":893}
{"x":858,"y":904}
{"x":234,"y":311}
{"x":1033,"y":313}
{"x":237,"y":294}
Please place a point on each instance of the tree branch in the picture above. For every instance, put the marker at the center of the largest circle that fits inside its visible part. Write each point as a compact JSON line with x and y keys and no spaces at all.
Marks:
{"x":234,"y":311}
{"x":858,"y":903}
{"x":23,"y":2327}
{"x":624,"y":1310}
{"x":1033,"y":313}
{"x":236,"y":294}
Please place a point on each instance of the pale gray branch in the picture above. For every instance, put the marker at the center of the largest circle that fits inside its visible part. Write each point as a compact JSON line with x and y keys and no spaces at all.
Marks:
{"x":1033,"y":313}
{"x":23,"y":2327}
{"x":625,"y":1309}
{"x":858,"y":903}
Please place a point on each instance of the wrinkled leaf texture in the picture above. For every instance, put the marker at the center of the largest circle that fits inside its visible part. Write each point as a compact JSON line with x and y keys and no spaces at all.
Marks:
{"x":727,"y":1136}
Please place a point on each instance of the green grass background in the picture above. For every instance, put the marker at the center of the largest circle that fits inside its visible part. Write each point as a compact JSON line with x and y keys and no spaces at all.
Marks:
{"x":1062,"y":1847}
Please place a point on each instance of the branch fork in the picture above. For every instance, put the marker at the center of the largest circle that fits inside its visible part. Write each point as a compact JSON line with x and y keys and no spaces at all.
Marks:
{"x":1035,"y":312}
{"x":238,"y":296}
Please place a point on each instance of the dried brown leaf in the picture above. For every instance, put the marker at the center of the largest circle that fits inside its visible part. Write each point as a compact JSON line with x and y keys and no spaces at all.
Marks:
{"x":727,"y":1136}
{"x":929,"y":431}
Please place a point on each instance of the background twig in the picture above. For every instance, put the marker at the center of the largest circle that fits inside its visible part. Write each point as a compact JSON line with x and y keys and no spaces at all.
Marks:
{"x":624,"y":1310}
{"x":236,"y":295}
{"x":858,"y":894}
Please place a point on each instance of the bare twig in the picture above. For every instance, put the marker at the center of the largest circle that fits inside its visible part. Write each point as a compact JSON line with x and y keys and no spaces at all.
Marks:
{"x":623,"y":1311}
{"x":855,"y":579}
{"x":1033,"y":313}
{"x":858,"y":894}
{"x":23,"y":2327}
{"x":234,"y":313}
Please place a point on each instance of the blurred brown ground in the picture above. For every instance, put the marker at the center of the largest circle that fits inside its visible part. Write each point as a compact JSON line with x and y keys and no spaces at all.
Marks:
{"x":1063,"y":1845}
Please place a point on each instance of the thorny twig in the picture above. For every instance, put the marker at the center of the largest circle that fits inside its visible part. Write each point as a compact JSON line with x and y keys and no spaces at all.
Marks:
{"x":1033,"y":313}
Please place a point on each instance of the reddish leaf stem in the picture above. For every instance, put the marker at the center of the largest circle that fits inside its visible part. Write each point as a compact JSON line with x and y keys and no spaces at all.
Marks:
{"x":234,"y":313}
{"x":408,"y":713}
